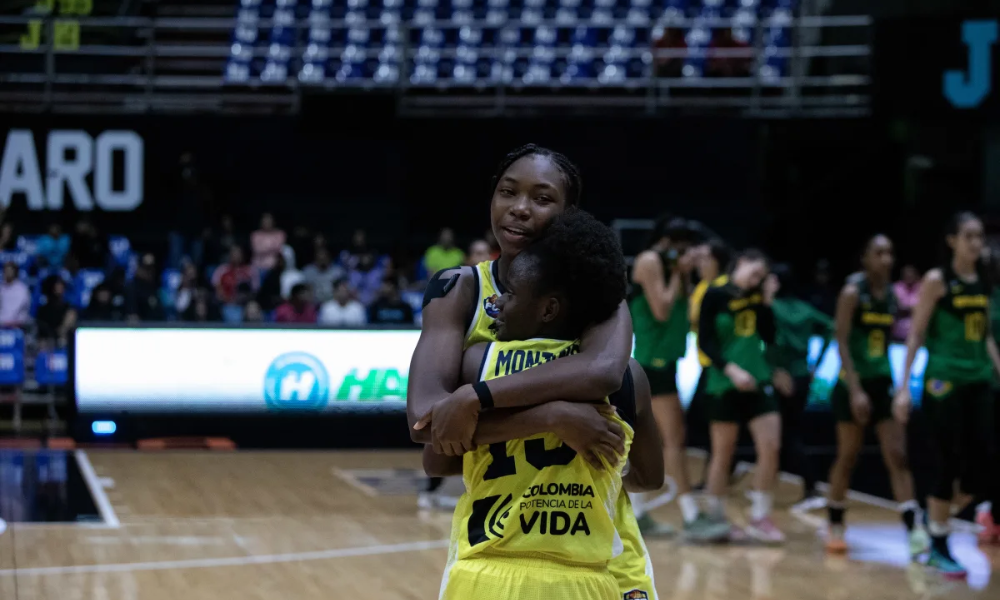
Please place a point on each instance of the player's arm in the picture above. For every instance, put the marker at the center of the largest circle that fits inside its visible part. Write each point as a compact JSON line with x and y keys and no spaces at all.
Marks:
{"x":991,"y":343}
{"x":585,"y":428}
{"x":932,"y":289}
{"x":437,"y":358}
{"x":847,"y":302}
{"x":645,"y":457}
{"x":708,"y":336}
{"x":648,"y":273}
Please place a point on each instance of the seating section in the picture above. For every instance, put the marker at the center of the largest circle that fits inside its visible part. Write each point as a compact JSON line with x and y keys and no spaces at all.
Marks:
{"x":370,"y":43}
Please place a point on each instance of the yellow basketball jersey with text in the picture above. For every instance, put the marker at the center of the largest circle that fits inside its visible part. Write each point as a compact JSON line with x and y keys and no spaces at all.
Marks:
{"x":487,"y":279}
{"x":536,"y":497}
{"x":632,"y":568}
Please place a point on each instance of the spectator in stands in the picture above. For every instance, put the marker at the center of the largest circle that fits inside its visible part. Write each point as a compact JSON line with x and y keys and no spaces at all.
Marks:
{"x":266,"y":243}
{"x":350,"y":258}
{"x":234,"y":279}
{"x":821,"y":294}
{"x":89,"y":249}
{"x":254,"y":313}
{"x":389,"y":308}
{"x":728,"y":66}
{"x":8,"y":240}
{"x":322,"y":274}
{"x":299,"y":308}
{"x":190,"y":285}
{"x":479,"y":251}
{"x":342,"y":310}
{"x":191,"y":214}
{"x":443,"y":254}
{"x":301,"y":242}
{"x":225,"y":239}
{"x":15,"y":298}
{"x":102,"y":306}
{"x":669,"y":39}
{"x":53,"y":247}
{"x":201,"y":309}
{"x":142,"y":294}
{"x":366,"y":278}
{"x":271,"y":294}
{"x":55,"y":317}
{"x":907,"y":291}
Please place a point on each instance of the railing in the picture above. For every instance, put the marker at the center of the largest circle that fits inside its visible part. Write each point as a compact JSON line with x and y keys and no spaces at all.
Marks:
{"x":153,"y":66}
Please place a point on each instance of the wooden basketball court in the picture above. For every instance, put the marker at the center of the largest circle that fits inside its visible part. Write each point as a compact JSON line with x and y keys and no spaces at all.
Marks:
{"x":344,"y":525}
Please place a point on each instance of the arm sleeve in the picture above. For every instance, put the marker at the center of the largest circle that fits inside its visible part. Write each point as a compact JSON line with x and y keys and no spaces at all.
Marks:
{"x":765,"y":324}
{"x":708,"y":337}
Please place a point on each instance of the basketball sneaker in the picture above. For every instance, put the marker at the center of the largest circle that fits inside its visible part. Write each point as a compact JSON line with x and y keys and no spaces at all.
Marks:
{"x":919,"y":541}
{"x":835,"y":542}
{"x":764,"y":530}
{"x":946,"y":565}
{"x":706,"y":529}
{"x":990,"y":532}
{"x":651,"y":528}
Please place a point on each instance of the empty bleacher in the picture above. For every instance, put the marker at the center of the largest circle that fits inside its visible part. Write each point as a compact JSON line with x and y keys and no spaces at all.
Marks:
{"x":504,"y":42}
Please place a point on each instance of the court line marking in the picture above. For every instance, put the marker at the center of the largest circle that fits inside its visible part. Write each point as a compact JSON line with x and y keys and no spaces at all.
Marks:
{"x":354,"y":482}
{"x":235,"y":561}
{"x":104,"y":507}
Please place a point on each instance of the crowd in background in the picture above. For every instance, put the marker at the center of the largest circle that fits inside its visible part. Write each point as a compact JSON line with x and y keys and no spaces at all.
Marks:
{"x":52,"y":281}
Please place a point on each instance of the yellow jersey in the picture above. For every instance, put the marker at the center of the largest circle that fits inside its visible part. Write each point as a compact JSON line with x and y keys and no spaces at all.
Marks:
{"x":535,"y":498}
{"x":632,"y":568}
{"x":694,"y":309}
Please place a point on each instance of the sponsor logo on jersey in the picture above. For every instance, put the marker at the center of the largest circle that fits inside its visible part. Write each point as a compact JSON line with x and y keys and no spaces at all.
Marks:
{"x":490,"y":306}
{"x":938,"y":388}
{"x":635,"y":595}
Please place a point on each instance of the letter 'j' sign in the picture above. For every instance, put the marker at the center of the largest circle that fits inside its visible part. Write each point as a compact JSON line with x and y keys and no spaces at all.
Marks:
{"x":968,"y":90}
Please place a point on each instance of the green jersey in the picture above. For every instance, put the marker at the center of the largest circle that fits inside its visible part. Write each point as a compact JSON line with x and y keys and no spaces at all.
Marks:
{"x":795,"y":323}
{"x":733,"y":328}
{"x":871,"y":326}
{"x":659,"y":344}
{"x":956,"y":334}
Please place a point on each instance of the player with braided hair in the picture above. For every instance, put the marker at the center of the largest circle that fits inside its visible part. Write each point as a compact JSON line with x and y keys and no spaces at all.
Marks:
{"x":532,"y":186}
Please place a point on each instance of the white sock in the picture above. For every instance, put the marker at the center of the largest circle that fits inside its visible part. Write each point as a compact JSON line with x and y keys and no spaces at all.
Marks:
{"x":689,"y":507}
{"x":938,"y":529}
{"x":760,"y":504}
{"x":909,"y":505}
{"x":638,"y":503}
{"x":714,"y":505}
{"x":984,"y":507}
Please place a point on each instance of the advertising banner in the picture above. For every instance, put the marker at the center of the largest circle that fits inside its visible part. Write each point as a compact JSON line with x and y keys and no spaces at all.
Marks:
{"x":177,"y":370}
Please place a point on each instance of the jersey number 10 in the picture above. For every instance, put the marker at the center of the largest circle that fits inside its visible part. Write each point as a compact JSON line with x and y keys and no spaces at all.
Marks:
{"x":503,"y":465}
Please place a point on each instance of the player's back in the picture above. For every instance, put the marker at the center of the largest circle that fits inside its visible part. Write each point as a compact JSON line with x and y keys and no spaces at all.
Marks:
{"x":533,"y":504}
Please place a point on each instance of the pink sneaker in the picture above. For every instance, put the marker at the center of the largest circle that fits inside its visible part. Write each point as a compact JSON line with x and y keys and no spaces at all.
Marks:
{"x":990,"y":533}
{"x":764,"y":530}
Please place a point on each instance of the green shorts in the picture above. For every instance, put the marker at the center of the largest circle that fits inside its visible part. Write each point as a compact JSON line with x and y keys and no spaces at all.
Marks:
{"x":879,"y":390}
{"x":662,"y":382}
{"x":734,"y":406}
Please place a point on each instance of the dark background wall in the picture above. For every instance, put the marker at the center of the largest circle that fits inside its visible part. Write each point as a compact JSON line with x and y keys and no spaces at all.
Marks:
{"x":802,"y":189}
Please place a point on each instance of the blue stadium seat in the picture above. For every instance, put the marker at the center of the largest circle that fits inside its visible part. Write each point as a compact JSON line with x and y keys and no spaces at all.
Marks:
{"x":777,"y":41}
{"x":243,"y":42}
{"x":22,"y":259}
{"x":121,"y":250}
{"x":52,"y":367}
{"x":11,"y":357}
{"x":281,"y":41}
{"x":83,"y":285}
{"x":28,"y":243}
{"x":317,"y":52}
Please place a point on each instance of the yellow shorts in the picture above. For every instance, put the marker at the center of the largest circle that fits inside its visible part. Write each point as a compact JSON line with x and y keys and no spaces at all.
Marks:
{"x":501,"y":578}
